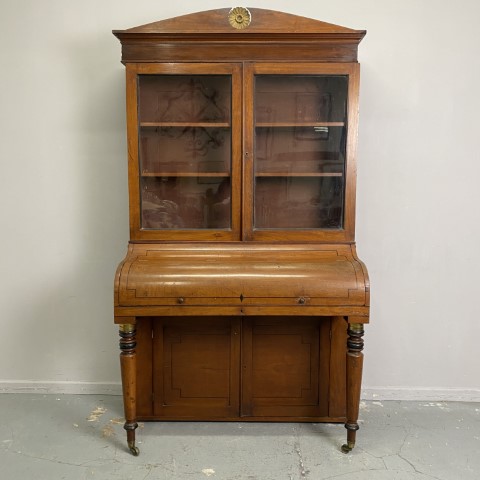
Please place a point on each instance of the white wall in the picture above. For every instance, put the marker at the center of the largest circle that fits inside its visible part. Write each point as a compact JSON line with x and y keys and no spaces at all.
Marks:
{"x":63,"y":188}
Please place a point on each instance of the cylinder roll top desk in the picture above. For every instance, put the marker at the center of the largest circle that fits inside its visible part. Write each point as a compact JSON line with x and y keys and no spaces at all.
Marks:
{"x":241,"y":296}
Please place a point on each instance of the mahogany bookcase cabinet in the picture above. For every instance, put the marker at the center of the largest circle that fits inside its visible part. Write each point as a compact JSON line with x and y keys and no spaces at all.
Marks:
{"x":241,"y":296}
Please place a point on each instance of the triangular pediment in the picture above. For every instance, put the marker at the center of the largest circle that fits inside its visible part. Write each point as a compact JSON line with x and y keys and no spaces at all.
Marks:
{"x":239,"y":34}
{"x":262,"y":21}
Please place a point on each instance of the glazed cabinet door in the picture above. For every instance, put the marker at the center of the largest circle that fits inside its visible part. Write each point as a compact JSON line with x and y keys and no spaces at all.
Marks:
{"x":299,"y":151}
{"x":184,"y":144}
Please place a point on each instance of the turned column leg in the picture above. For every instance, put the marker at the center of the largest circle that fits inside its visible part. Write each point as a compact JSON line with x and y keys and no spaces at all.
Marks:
{"x":129,"y":374}
{"x":354,"y":380}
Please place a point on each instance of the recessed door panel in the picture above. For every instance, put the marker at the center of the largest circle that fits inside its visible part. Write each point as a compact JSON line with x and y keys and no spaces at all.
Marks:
{"x":196,"y":367}
{"x":285,"y":366}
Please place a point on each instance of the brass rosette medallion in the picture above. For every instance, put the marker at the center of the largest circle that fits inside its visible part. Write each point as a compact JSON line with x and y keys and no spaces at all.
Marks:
{"x":239,"y":17}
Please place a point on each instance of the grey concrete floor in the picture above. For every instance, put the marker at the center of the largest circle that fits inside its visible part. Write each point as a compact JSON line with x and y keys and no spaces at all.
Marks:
{"x":81,"y":437}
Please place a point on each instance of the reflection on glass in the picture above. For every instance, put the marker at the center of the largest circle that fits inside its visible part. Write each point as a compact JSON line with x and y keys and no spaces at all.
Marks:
{"x":300,"y":144}
{"x":184,"y":98}
{"x":186,"y":202}
{"x":185,"y":151}
{"x":298,"y":202}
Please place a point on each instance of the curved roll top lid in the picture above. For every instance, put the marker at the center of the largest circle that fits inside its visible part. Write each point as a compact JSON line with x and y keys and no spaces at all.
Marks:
{"x":321,"y":275}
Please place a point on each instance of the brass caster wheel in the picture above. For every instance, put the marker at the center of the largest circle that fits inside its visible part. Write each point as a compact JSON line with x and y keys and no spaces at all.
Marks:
{"x":347,"y":447}
{"x":134,"y":450}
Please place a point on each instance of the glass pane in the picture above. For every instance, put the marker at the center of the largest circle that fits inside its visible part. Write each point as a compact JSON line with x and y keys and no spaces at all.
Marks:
{"x":298,"y":202}
{"x":184,"y":98}
{"x":185,"y":202}
{"x":300,"y":142}
{"x":185,"y":151}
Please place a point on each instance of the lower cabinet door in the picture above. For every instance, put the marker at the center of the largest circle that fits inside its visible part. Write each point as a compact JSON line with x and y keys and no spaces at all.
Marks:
{"x":196,"y":367}
{"x":285,"y":367}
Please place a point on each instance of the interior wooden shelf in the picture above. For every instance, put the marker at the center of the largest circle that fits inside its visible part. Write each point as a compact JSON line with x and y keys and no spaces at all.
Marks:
{"x":186,"y":124}
{"x":185,"y":174}
{"x":300,"y":124}
{"x":298,"y":174}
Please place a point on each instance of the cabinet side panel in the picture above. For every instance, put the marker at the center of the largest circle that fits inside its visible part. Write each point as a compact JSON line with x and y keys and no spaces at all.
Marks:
{"x":324,"y":363}
{"x":338,"y":368}
{"x":352,"y":138}
{"x":132,"y":145}
{"x":144,"y":367}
